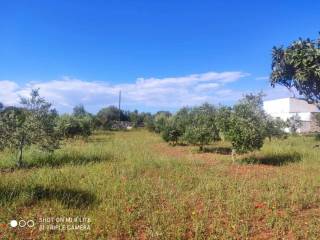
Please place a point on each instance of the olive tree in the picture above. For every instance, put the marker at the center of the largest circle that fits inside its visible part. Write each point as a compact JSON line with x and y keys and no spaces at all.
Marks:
{"x":246,"y":124}
{"x":34,"y":123}
{"x":175,"y":126}
{"x":223,"y":121}
{"x":171,"y":133}
{"x":274,"y":127}
{"x":160,"y":121}
{"x":202,"y":128}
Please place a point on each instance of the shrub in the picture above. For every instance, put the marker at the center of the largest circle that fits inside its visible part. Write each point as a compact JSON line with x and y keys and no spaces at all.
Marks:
{"x":170,"y":132}
{"x":275,"y":127}
{"x":202,"y":128}
{"x":246,"y":124}
{"x":149,"y":123}
{"x":160,"y":121}
{"x":106,"y":116}
{"x":71,"y":126}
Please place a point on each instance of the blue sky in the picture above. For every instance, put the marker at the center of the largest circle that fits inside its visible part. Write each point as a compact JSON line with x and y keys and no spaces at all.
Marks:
{"x":161,"y":54}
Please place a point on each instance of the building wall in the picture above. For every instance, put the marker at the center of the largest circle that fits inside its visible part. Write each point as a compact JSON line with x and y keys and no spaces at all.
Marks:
{"x":278,"y":108}
{"x":299,"y":105}
{"x":314,"y":127}
{"x":287,"y":107}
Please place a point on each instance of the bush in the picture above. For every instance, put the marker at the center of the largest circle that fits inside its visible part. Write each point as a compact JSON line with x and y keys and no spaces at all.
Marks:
{"x":160,"y":121}
{"x":149,"y":123}
{"x":171,"y":133}
{"x":71,"y":126}
{"x":245,"y":135}
{"x":202,"y":128}
{"x":106,"y":116}
{"x":274,"y":127}
{"x":246,"y":129}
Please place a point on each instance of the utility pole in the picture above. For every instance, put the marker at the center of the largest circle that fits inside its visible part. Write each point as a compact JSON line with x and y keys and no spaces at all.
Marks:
{"x":120,"y":106}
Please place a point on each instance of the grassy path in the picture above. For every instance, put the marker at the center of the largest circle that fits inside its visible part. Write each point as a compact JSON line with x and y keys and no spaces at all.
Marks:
{"x":133,"y":186}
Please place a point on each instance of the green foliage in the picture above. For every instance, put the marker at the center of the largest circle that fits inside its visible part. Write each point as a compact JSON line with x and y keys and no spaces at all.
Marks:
{"x":32,"y":124}
{"x":171,"y":132}
{"x":106,"y":116}
{"x":202,"y":128}
{"x":298,"y":66}
{"x":149,"y":123}
{"x":223,"y":121}
{"x":79,"y":111}
{"x":246,"y":125}
{"x":138,"y":119}
{"x":135,"y":118}
{"x":182,"y":119}
{"x":160,"y":121}
{"x":80,"y":123}
{"x":136,"y":178}
{"x":274,"y":127}
{"x":72,"y":126}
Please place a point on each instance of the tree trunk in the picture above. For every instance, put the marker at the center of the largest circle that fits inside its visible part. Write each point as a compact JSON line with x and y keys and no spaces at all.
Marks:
{"x":201,"y":148}
{"x":20,"y":160}
{"x":233,"y":153}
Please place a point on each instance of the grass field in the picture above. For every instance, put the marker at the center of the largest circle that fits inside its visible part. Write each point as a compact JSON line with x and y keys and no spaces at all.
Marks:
{"x":132,"y":185}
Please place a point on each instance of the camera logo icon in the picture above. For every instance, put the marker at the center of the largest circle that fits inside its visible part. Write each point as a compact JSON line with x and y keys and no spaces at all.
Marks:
{"x":22,"y":223}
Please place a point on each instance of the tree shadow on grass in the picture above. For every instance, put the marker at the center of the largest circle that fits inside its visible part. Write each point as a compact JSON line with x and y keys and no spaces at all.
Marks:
{"x":218,"y":150}
{"x":273,"y":159}
{"x":70,"y":198}
{"x":56,"y":160}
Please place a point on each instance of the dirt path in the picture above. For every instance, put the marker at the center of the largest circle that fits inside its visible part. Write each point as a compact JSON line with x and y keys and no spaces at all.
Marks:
{"x":185,"y":152}
{"x":209,"y":159}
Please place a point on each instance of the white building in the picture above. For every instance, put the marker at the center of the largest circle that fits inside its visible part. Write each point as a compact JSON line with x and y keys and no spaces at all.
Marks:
{"x":287,"y":107}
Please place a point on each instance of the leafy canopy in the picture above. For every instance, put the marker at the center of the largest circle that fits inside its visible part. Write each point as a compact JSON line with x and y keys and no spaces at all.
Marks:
{"x":34,"y":123}
{"x":202,"y":128}
{"x":106,"y":116}
{"x":171,"y":132}
{"x":298,"y":66}
{"x":246,"y":128}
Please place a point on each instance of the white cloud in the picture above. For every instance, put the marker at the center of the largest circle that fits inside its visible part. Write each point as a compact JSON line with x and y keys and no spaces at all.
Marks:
{"x":169,"y":92}
{"x":8,"y":92}
{"x":262,"y":78}
{"x":207,"y":87}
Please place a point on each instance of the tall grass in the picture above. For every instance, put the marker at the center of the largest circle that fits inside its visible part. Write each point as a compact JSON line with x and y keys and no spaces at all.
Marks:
{"x":132,"y":190}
